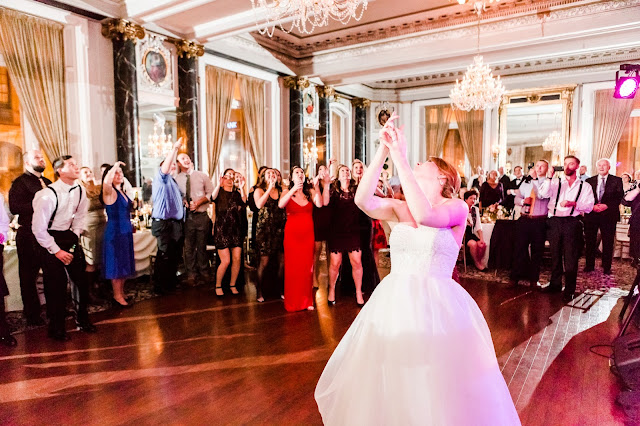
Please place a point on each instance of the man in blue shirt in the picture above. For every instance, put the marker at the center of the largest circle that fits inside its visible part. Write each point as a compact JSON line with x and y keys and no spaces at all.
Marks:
{"x":168,"y":213}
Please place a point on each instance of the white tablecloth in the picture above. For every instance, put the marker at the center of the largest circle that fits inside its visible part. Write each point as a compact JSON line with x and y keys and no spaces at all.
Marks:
{"x":487,"y":230}
{"x":144,"y":245}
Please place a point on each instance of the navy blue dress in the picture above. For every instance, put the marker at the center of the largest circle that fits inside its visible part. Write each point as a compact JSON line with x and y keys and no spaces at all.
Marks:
{"x":117,"y":253}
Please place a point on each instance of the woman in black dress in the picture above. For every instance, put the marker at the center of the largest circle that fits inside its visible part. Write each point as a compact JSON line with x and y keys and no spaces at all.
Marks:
{"x":344,"y":235}
{"x":228,"y":232}
{"x":491,"y":191}
{"x":251,"y":202}
{"x":270,"y":226}
{"x":321,"y":225}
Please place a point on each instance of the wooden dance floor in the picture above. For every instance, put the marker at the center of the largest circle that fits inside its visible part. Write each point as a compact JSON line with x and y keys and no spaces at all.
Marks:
{"x":192,"y":358}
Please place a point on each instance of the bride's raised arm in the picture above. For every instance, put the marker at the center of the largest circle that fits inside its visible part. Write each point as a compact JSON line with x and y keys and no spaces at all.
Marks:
{"x":373,"y":206}
{"x":445,"y":215}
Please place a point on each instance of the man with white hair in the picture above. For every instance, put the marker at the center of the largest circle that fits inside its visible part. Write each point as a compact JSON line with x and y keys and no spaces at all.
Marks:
{"x":608,"y":193}
{"x":21,"y":195}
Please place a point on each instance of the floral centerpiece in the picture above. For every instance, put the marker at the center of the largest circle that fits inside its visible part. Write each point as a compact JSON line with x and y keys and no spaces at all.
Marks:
{"x":494,"y":212}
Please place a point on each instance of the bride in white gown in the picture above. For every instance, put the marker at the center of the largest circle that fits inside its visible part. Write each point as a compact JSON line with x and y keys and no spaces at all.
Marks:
{"x":420,"y":351}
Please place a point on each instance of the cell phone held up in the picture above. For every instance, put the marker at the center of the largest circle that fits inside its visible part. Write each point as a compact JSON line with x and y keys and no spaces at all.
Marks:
{"x":558,"y":168}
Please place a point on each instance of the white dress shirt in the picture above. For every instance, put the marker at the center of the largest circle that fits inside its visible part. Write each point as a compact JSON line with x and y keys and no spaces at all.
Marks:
{"x":70,"y":215}
{"x":584,"y":204}
{"x":541,"y":206}
{"x":4,"y":221}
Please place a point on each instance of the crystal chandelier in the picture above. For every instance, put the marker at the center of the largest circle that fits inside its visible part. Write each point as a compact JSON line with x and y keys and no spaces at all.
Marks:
{"x":159,"y":143}
{"x":553,"y":142}
{"x":478,"y":90}
{"x":304,"y":15}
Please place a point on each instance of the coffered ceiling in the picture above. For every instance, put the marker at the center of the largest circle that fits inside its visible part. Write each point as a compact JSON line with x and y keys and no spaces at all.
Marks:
{"x":402,"y":45}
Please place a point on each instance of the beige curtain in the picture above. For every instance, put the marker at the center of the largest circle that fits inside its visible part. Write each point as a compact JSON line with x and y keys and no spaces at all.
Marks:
{"x":253,"y":107}
{"x":470,"y":127}
{"x":218,"y":97}
{"x":437,"y":119}
{"x":33,"y":51}
{"x":609,"y":120}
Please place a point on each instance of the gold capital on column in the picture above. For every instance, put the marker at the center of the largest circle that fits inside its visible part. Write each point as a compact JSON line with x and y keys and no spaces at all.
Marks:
{"x":188,"y":48}
{"x":360,"y":102}
{"x":326,"y":91}
{"x":296,"y":82}
{"x":122,"y":29}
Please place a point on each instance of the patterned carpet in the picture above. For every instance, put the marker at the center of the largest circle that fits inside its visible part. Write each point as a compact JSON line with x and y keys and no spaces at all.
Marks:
{"x":622,"y":276}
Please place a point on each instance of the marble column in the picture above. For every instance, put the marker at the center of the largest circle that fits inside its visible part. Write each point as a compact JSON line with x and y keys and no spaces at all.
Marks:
{"x":296,"y":124}
{"x":323,"y":135}
{"x":123,"y":35}
{"x":360,"y":131}
{"x":187,"y":114}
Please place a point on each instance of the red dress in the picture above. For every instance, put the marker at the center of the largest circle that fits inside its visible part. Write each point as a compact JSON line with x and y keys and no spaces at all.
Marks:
{"x":298,"y":257}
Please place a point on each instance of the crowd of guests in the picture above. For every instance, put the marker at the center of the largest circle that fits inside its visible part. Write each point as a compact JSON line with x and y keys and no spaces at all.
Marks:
{"x":568,"y":211}
{"x":81,"y":230}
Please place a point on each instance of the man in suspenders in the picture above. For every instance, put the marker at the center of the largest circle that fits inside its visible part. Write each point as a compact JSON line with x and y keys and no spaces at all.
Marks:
{"x":58,"y":220}
{"x":569,"y":197}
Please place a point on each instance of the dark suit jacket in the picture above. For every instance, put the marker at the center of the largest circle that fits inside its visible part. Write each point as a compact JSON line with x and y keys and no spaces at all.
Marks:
{"x":612,"y":197}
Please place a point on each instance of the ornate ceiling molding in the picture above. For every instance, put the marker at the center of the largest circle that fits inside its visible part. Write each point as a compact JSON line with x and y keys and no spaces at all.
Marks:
{"x":504,"y":25}
{"x":326,"y":91}
{"x":437,"y":20}
{"x":607,"y":58}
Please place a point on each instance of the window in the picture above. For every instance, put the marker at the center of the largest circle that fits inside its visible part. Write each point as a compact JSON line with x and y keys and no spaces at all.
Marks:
{"x":5,"y":89}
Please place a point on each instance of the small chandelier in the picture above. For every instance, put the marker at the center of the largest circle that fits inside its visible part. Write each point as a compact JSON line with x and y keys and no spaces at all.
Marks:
{"x":478,"y":6}
{"x":305,"y":15}
{"x":478,"y":90}
{"x":159,"y":143}
{"x":553,"y":142}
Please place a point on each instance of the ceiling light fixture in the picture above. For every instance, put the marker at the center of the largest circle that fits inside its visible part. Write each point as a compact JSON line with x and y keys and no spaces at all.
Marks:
{"x":478,"y":90}
{"x":304,"y":15}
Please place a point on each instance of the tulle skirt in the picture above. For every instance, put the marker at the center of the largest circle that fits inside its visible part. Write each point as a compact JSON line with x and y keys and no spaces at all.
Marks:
{"x":419,"y":353}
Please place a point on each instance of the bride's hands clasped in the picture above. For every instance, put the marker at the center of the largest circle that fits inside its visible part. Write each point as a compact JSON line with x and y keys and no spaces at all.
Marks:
{"x":393,"y":138}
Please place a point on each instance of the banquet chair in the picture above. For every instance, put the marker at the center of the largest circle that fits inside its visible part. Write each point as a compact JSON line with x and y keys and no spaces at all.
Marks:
{"x":621,"y":240}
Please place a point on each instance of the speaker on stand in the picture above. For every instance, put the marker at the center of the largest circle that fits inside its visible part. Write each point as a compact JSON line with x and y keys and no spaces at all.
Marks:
{"x":626,"y":356}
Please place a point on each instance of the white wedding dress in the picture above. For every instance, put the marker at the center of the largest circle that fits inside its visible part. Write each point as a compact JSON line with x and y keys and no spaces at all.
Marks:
{"x":420,"y":351}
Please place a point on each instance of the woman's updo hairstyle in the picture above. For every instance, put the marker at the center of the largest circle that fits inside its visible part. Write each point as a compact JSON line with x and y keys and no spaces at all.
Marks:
{"x":451,"y":180}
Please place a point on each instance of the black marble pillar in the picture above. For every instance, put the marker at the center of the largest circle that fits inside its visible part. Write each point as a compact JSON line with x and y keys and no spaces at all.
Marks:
{"x":360,"y":132}
{"x":296,"y":128}
{"x":188,"y":106}
{"x":323,"y":135}
{"x":126,"y":108}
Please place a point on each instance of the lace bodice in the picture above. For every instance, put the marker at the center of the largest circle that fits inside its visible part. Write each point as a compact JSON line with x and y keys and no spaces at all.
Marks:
{"x":423,"y":250}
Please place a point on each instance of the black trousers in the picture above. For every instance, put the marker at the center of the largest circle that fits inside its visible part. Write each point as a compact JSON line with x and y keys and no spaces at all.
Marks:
{"x":196,"y":228}
{"x":565,"y":240}
{"x":169,"y":235}
{"x":607,"y":228}
{"x":529,"y":232}
{"x":55,"y":281}
{"x":29,"y":264}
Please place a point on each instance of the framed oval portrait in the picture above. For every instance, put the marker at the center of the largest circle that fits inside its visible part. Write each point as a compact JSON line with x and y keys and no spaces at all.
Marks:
{"x":155,"y":66}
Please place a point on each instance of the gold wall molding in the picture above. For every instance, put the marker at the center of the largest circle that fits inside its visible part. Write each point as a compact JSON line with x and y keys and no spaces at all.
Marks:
{"x":326,"y":91}
{"x":121,"y":29}
{"x":296,"y":82}
{"x":188,"y":48}
{"x":360,"y":102}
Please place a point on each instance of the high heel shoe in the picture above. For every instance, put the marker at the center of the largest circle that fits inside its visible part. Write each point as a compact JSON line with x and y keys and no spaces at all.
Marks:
{"x":219,"y":292}
{"x":234,"y":290}
{"x":360,"y":305}
{"x":117,"y":304}
{"x":330,"y":302}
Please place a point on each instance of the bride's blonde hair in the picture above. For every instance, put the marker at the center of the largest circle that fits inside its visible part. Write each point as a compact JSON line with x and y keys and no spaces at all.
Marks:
{"x":451,"y":179}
